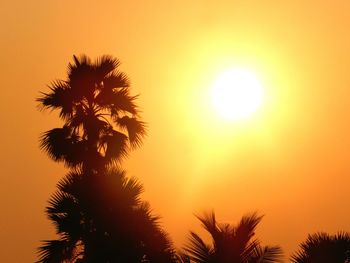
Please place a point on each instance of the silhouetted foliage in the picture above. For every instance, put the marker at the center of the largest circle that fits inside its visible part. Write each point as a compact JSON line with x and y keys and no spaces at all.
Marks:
{"x":230,"y":243}
{"x":101,"y":218}
{"x":97,"y":211}
{"x":100,"y":115}
{"x":324,"y":248}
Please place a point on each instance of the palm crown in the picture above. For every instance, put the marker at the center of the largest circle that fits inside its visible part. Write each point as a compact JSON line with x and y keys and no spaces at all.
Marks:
{"x":323,"y":247}
{"x":230,"y":243}
{"x":101,"y":119}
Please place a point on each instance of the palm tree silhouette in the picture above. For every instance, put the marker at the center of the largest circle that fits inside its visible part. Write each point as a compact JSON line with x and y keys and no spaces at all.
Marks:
{"x":97,"y":211}
{"x":323,"y":248}
{"x":102,"y":219}
{"x":101,"y":118}
{"x":230,"y":243}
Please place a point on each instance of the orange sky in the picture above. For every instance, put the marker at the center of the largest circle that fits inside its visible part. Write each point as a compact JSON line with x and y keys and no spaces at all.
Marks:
{"x":290,"y":161}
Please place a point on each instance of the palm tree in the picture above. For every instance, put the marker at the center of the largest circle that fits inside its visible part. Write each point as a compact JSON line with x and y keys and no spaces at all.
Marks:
{"x":101,"y":218}
{"x":97,"y":211}
{"x":100,"y":117}
{"x":323,"y":248}
{"x":230,"y":244}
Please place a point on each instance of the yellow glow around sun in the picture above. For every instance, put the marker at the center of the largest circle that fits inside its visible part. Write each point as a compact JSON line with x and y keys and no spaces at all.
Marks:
{"x":236,"y":94}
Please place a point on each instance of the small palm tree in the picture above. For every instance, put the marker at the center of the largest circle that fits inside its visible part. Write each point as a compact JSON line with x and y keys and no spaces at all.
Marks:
{"x":100,"y":218}
{"x":230,"y":243}
{"x":100,"y":118}
{"x":323,"y":248}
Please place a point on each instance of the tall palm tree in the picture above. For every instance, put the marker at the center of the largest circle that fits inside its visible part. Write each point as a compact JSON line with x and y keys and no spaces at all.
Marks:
{"x":230,"y":243}
{"x":100,"y":117}
{"x":101,"y":218}
{"x":323,"y":248}
{"x":97,"y":211}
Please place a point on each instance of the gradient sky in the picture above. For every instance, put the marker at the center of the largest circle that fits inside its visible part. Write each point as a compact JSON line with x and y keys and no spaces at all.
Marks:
{"x":290,"y":161}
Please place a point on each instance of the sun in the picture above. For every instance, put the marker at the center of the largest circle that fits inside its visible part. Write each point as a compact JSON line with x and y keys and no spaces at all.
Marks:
{"x":236,"y":94}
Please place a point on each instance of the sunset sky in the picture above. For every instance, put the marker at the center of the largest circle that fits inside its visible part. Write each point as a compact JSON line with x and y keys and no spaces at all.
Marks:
{"x":290,"y":160}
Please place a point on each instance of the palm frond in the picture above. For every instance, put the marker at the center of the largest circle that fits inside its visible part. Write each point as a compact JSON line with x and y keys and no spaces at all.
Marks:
{"x":210,"y":224}
{"x":115,"y":80}
{"x":105,"y":65}
{"x":116,"y":146}
{"x":133,"y":187}
{"x":62,"y":145}
{"x":56,"y":251}
{"x":266,"y":254}
{"x":197,"y":250}
{"x":245,"y":229}
{"x":60,"y":97}
{"x":61,"y":202}
{"x":136,"y":129}
{"x":246,"y":251}
{"x":72,"y":178}
{"x":122,"y":100}
{"x":54,"y":142}
{"x":78,"y":62}
{"x":117,"y":101}
{"x":65,"y":212}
